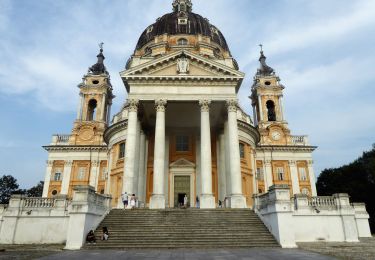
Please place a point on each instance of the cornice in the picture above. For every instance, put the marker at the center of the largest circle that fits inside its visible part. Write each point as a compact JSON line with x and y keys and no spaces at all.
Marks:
{"x":115,"y":128}
{"x":247,"y":127}
{"x":286,"y":148}
{"x":76,"y":148}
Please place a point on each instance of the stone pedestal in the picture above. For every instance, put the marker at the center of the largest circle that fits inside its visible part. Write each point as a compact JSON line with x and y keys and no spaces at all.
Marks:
{"x":207,"y":201}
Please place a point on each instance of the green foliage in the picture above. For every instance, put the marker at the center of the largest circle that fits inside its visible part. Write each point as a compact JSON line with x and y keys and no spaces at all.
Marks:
{"x":357,"y":179}
{"x":8,"y":185}
{"x":36,"y":191}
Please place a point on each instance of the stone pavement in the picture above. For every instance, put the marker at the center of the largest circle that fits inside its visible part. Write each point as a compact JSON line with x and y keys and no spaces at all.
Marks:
{"x":365,"y":250}
{"x":177,"y":254}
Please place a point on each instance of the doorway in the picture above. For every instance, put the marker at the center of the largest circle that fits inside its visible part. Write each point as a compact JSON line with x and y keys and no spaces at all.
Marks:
{"x":181,"y":187}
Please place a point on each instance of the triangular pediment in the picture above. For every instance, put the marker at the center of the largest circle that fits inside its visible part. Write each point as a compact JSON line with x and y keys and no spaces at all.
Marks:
{"x":195,"y":66}
{"x":182,"y":163}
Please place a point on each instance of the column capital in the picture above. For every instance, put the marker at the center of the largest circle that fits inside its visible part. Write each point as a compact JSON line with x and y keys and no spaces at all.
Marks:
{"x":160,"y":105}
{"x":68,"y":163}
{"x":49,"y":163}
{"x":133,"y":105}
{"x":310,"y":162}
{"x":292,"y":162}
{"x":205,"y":105}
{"x":232,"y":105}
{"x":94,"y":163}
{"x":267,"y":162}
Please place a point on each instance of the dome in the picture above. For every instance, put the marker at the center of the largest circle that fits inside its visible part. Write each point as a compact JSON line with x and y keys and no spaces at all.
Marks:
{"x":182,"y":22}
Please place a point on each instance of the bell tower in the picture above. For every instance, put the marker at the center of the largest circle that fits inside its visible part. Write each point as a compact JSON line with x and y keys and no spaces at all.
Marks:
{"x":267,"y":102}
{"x":93,"y":112}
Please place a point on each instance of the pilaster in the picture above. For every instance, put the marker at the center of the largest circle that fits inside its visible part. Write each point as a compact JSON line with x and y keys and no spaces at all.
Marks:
{"x":66,"y":177}
{"x":47,"y":178}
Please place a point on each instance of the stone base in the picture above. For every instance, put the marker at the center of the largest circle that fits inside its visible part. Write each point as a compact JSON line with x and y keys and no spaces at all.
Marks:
{"x":207,"y":201}
{"x":237,"y":202}
{"x":157,"y":201}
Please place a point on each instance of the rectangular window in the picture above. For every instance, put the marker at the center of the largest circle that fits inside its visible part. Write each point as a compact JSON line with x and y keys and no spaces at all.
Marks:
{"x":57,"y":175}
{"x":259,"y":174}
{"x":121,"y":153}
{"x":242,"y":150}
{"x":302,"y":174}
{"x":81,"y":173}
{"x":280,"y":173}
{"x":104,"y":173}
{"x":182,"y":143}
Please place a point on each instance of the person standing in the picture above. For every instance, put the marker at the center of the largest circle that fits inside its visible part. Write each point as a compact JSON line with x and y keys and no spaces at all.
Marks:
{"x":132,"y":201}
{"x":185,"y":201}
{"x":197,"y":202}
{"x":125,"y":199}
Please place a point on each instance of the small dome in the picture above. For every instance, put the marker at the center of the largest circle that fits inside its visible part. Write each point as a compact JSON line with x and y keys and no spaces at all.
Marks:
{"x":192,"y":24}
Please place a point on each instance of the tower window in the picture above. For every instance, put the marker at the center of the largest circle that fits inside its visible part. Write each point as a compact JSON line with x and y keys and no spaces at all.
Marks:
{"x":182,"y":41}
{"x":302,"y":174}
{"x":121,"y":153}
{"x":57,"y":175}
{"x":242,"y":150}
{"x":182,"y":143}
{"x":271,"y":110}
{"x":91,"y":111}
{"x":95,"y":82}
{"x":280,"y":173}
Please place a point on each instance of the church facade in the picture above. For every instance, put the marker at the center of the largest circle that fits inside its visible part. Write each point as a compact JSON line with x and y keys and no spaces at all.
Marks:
{"x":181,"y":130}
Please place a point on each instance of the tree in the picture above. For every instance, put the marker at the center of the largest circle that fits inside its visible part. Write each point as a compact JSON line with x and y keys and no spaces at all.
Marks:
{"x":8,"y":185}
{"x":36,"y":191}
{"x":357,"y":179}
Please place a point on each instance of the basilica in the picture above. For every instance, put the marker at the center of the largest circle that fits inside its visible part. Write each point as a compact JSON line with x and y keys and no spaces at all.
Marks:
{"x":181,"y":130}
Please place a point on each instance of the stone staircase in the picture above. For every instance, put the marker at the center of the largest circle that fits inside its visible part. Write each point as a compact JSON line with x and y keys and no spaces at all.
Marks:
{"x":179,"y":228}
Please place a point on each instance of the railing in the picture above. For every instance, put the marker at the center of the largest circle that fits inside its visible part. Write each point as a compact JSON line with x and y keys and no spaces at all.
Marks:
{"x":299,"y":140}
{"x":60,"y":139}
{"x":38,"y":203}
{"x":322,"y":201}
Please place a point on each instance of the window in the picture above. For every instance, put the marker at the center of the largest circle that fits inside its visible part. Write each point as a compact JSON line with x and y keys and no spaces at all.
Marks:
{"x":91,"y":110}
{"x":259,"y":174}
{"x":302,"y":174}
{"x":280,"y":173}
{"x":121,"y":153}
{"x":57,"y":175}
{"x":242,"y":150}
{"x":271,"y":110}
{"x":54,"y":192}
{"x":182,"y":143}
{"x":182,"y":41}
{"x":305,"y":191}
{"x":81,"y":173}
{"x":104,"y":173}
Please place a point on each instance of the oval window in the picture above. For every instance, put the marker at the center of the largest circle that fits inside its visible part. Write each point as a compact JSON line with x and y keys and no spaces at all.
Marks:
{"x":54,"y":192}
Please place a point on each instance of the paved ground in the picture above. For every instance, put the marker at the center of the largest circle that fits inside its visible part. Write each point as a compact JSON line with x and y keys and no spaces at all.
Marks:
{"x":365,"y":250}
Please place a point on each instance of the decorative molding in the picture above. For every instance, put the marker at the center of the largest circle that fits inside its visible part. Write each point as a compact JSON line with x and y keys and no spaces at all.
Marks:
{"x":68,"y":163}
{"x":232,"y":105}
{"x":133,"y":105}
{"x":160,"y":105}
{"x":286,"y":148}
{"x":267,"y":162}
{"x":49,"y":163}
{"x":114,"y":129}
{"x":205,"y":105}
{"x":94,"y":163}
{"x":292,"y":163}
{"x":76,"y":148}
{"x":182,"y":65}
{"x":310,"y":162}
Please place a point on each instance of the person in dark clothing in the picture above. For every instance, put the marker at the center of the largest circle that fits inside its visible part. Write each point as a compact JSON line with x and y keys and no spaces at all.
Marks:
{"x":90,"y":238}
{"x":105,"y":235}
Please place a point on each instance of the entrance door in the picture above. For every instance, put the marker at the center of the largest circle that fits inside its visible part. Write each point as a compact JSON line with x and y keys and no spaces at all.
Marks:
{"x":181,"y":187}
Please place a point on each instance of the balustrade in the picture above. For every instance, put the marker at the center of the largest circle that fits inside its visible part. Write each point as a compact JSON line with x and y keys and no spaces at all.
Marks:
{"x":322,"y":201}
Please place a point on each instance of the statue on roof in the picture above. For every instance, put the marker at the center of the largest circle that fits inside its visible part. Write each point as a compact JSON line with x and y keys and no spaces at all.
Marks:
{"x":99,"y":68}
{"x":264,"y":69}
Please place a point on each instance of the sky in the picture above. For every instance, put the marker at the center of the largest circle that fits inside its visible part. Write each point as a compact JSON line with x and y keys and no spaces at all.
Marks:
{"x":322,"y":50}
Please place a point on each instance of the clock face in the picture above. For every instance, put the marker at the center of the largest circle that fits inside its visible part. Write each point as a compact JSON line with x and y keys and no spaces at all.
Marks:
{"x":276,"y":136}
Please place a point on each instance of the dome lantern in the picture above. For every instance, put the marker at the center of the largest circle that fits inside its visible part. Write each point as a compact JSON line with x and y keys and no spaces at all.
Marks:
{"x":182,"y":6}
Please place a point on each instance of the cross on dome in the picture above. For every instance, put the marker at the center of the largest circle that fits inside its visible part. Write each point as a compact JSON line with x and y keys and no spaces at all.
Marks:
{"x":264,"y":69}
{"x":182,"y":6}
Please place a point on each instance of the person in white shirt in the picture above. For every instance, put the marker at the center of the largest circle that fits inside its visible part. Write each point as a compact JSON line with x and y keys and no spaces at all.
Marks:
{"x":125,"y":199}
{"x":185,"y":201}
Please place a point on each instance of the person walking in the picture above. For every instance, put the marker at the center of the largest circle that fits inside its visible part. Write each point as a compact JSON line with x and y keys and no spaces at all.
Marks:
{"x":125,"y":199}
{"x":132,"y":201}
{"x":197,"y":202}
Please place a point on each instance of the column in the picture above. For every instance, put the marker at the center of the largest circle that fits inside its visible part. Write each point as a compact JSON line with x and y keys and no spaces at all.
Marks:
{"x":47,"y":178}
{"x":109,"y":168}
{"x":268,"y":174}
{"x":109,"y":112}
{"x":294,"y":177}
{"x":80,"y":106}
{"x":260,"y":108}
{"x":281,"y":109}
{"x":103,"y":108}
{"x":237,"y":199}
{"x":222,"y":175}
{"x":94,"y":172}
{"x":136,"y":163}
{"x":312,"y":178}
{"x":142,"y":168}
{"x":130,"y":148}
{"x":227,"y":162}
{"x":255,"y":115}
{"x":66,"y":177}
{"x":207,"y":200}
{"x":157,"y":200}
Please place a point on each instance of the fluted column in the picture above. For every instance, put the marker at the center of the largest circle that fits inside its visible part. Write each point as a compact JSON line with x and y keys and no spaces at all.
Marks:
{"x":47,"y":178}
{"x":294,"y":177}
{"x":109,"y":169}
{"x":222,"y":169}
{"x":157,"y":200}
{"x":268,"y":174}
{"x":207,"y":200}
{"x":66,"y":178}
{"x":237,"y":199}
{"x":227,"y":161}
{"x":312,"y":178}
{"x":130,"y":147}
{"x":142,"y":168}
{"x":136,"y":163}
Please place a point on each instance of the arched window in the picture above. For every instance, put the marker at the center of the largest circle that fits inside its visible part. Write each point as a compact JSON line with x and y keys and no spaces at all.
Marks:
{"x":91,"y":110}
{"x":271,"y":110}
{"x":182,"y":41}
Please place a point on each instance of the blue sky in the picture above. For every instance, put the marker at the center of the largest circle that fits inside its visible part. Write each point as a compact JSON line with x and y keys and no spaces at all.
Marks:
{"x":322,"y":50}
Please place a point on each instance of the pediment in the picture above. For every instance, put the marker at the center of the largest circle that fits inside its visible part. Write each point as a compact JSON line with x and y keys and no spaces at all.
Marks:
{"x":169,"y":67}
{"x":182,"y":163}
